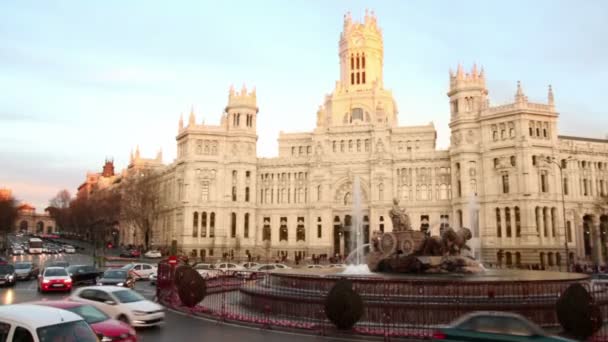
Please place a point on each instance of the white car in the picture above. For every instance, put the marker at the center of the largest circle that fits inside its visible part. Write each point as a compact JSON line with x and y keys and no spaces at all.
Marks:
{"x":228,"y":266}
{"x":122,"y":304}
{"x":153,"y":254}
{"x":140,"y":271}
{"x":249,"y":265}
{"x":270,"y":267}
{"x":336,"y":266}
{"x":17,"y":251}
{"x":314,"y":266}
{"x":153,"y":278}
{"x":26,"y":322}
{"x":69,"y":249}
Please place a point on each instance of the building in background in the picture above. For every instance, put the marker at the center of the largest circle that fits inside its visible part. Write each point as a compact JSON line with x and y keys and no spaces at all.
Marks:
{"x":502,"y":175}
{"x":32,"y":222}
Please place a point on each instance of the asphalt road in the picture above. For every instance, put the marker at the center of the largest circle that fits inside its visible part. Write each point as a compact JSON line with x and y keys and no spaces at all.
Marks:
{"x":178,"y":327}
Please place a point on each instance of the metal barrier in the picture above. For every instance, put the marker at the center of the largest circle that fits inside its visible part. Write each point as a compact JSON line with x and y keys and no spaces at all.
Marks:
{"x":392,"y":308}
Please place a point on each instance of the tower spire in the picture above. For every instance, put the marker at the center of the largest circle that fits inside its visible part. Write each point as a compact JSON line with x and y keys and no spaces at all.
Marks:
{"x":519,"y":95}
{"x":550,"y":96}
{"x":181,"y":121}
{"x":192,"y":119}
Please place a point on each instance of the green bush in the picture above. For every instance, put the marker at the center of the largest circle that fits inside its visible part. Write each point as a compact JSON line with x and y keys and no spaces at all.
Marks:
{"x":343,"y":305}
{"x":577,"y":313}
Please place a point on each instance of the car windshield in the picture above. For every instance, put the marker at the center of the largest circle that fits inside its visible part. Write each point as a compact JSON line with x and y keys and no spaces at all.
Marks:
{"x":23,"y":266}
{"x":77,"y":331}
{"x":127,"y":266}
{"x":90,"y":314}
{"x":4,"y":269}
{"x":55,"y":272}
{"x":115,"y":274}
{"x":128,"y":296}
{"x":59,"y":264}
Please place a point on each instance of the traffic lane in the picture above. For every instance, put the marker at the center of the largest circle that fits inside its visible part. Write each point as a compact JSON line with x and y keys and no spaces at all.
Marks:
{"x":43,"y":259}
{"x":177,"y":327}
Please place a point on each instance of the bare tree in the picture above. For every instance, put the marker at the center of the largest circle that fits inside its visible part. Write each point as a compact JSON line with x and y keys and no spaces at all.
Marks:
{"x":59,"y":209}
{"x":140,"y":204}
{"x":8,"y":215}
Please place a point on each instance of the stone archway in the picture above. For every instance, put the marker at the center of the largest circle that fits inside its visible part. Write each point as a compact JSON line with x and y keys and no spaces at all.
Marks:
{"x":23,"y":226}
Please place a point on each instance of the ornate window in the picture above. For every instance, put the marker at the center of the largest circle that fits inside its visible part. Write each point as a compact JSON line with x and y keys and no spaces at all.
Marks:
{"x":508,"y":220}
{"x":212,"y":225}
{"x":233,"y":225}
{"x":195,"y":224}
{"x":517,"y":222}
{"x":498,"y":223}
{"x":300,"y":231}
{"x":204,"y":224}
{"x":266,"y":229}
{"x":246,"y":226}
{"x":283,"y":229}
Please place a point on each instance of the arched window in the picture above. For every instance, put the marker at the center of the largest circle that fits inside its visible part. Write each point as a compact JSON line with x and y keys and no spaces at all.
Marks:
{"x":319,"y":187}
{"x":212,"y":225}
{"x":247,"y":194}
{"x":553,"y":220}
{"x":363,"y":77}
{"x":204,"y":224}
{"x":363,"y":61}
{"x":234,"y":193}
{"x":537,"y":212}
{"x":569,"y":230}
{"x":381,"y":225}
{"x":233,"y":225}
{"x":300,"y":232}
{"x":358,"y":78}
{"x":352,"y":62}
{"x":498,"y":223}
{"x":546,"y":221}
{"x":246,"y":226}
{"x":508,"y":220}
{"x":517,"y":222}
{"x":319,"y":228}
{"x":357,"y":61}
{"x":195,"y":224}
{"x":266,"y":229}
{"x":283,"y":229}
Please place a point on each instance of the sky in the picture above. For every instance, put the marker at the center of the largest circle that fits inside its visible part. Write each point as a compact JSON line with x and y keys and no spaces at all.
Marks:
{"x":81,"y":81}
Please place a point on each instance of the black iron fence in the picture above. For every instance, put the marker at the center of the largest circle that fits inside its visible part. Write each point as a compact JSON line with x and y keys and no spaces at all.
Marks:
{"x":393,"y":308}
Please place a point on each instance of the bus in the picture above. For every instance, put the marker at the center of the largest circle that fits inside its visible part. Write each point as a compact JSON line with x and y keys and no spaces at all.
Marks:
{"x":35,"y":246}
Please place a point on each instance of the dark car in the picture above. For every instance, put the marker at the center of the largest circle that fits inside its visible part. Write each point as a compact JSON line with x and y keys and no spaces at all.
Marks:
{"x":7,"y":275}
{"x":26,"y":270}
{"x":63,"y":264}
{"x":84,"y":274}
{"x":117,"y":278}
{"x":494,"y":326}
{"x":130,"y":253}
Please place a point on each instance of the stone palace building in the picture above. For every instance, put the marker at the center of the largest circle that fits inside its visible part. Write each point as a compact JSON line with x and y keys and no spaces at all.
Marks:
{"x":503,"y":175}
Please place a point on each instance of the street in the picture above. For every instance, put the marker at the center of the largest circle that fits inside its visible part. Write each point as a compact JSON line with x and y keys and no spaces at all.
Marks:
{"x":178,"y":327}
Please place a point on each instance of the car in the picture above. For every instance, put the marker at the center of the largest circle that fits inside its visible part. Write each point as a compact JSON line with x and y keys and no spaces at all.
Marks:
{"x":270,"y":267}
{"x":314,"y":266}
{"x":203,"y":266}
{"x":153,"y":254}
{"x":26,"y":270}
{"x":17,"y":251}
{"x":35,"y":323}
{"x":122,"y":304}
{"x":58,"y":263}
{"x":493,"y":326}
{"x":82,"y":274}
{"x":599,"y":279}
{"x":336,"y":266}
{"x":153,"y":278}
{"x":140,"y":271}
{"x":249,"y":264}
{"x":106,"y":328}
{"x":54,"y":279}
{"x":7,"y":275}
{"x":228,"y":266}
{"x":69,"y":249}
{"x":130,"y":253}
{"x":116,"y":277}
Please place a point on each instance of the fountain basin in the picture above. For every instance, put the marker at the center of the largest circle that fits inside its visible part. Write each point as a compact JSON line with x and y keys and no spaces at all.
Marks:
{"x":419,"y":300}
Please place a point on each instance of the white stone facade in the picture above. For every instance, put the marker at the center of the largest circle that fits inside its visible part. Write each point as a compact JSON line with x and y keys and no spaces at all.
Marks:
{"x":218,"y":197}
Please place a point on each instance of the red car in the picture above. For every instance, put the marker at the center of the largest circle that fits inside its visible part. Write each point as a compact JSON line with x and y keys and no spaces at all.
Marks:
{"x":106,"y":328}
{"x":54,"y":279}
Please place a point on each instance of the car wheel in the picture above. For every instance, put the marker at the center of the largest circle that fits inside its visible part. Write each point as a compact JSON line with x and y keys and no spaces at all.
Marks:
{"x":123,"y":319}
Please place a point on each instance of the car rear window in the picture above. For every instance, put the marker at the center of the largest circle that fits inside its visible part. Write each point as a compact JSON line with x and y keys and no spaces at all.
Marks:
{"x":77,"y":331}
{"x":55,"y":272}
{"x":90,"y":314}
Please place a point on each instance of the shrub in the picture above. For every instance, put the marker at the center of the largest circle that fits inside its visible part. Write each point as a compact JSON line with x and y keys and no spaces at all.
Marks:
{"x":343,"y":305}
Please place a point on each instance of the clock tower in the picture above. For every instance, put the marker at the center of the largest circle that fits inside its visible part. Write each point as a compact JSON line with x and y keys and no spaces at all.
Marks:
{"x":361,"y":53}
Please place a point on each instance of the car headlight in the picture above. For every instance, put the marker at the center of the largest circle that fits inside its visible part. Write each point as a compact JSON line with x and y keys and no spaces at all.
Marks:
{"x":139,"y":313}
{"x":107,"y":339}
{"x":120,"y":284}
{"x":99,"y":284}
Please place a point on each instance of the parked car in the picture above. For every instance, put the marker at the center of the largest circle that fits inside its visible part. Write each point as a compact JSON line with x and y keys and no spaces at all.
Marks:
{"x":336,"y":266}
{"x":69,"y":249}
{"x":130,"y":253}
{"x":249,"y":264}
{"x":17,"y":251}
{"x":26,"y":270}
{"x":34,"y":323}
{"x":270,"y":267}
{"x":117,"y":278}
{"x":203,"y":266}
{"x":228,"y":266}
{"x":54,"y":279}
{"x":153,"y":254}
{"x":153,"y":278}
{"x":140,"y":271}
{"x":122,"y":304}
{"x":84,"y":274}
{"x":314,"y":266}
{"x":493,"y":326}
{"x":7,"y":275}
{"x":106,"y":328}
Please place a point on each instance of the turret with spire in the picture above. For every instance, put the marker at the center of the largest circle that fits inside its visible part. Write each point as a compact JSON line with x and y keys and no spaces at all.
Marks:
{"x":520,"y":97}
{"x":192,"y":118}
{"x":181,"y":122}
{"x":551,"y":99}
{"x":468,"y":93}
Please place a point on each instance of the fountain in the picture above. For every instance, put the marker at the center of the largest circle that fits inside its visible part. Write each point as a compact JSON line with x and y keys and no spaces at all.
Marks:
{"x":408,"y":272}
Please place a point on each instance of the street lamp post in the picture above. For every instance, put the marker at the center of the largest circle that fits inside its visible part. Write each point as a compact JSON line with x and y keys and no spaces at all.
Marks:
{"x":561,"y":176}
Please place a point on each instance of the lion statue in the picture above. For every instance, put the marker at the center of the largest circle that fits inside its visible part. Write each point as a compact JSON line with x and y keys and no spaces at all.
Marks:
{"x":455,"y":241}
